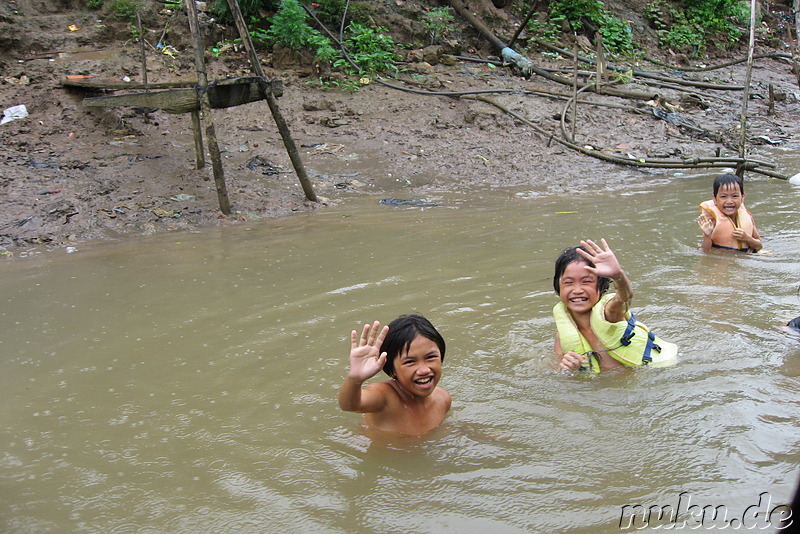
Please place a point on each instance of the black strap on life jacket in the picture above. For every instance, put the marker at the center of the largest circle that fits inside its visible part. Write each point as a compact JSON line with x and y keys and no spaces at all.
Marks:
{"x":651,"y":345}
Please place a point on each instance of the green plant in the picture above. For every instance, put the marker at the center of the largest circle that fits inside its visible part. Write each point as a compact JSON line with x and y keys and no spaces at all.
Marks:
{"x":134,"y":29}
{"x":124,"y":9}
{"x":548,"y":31}
{"x":616,"y":33}
{"x":695,"y":24}
{"x":249,"y":9}
{"x":370,"y":49}
{"x":348,"y":86}
{"x":437,"y":21}
{"x":323,"y":48}
{"x":95,"y":4}
{"x":288,"y":28}
{"x":330,"y":12}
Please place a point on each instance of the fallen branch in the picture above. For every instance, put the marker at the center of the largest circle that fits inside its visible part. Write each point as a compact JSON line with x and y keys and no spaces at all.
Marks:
{"x":643,"y":74}
{"x":745,"y":163}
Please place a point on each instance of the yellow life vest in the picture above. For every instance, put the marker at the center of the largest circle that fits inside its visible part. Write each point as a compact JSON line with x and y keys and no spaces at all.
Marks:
{"x":722,"y":236}
{"x":629,"y":342}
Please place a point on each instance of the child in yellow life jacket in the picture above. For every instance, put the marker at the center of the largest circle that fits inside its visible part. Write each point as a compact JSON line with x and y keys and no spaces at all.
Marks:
{"x":724,"y":221}
{"x":597,"y":331}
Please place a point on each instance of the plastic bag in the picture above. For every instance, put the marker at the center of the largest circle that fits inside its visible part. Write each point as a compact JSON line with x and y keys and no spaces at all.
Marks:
{"x":13,"y":113}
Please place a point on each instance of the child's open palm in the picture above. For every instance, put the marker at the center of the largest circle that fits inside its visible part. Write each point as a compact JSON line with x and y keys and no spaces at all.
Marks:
{"x":605,"y":262}
{"x":366,"y":358}
{"x":707,"y":224}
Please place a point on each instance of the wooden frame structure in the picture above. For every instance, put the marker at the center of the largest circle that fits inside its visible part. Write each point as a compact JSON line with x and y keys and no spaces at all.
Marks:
{"x":199,"y":98}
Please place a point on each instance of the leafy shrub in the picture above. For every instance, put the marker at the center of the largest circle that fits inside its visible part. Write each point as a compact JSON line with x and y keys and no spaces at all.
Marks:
{"x":289,"y":29}
{"x":289,"y":26}
{"x":123,"y":9}
{"x":95,"y":4}
{"x":437,"y":21}
{"x":370,"y":49}
{"x":330,"y":12}
{"x":251,"y":9}
{"x":548,"y":30}
{"x":691,"y":27}
{"x":616,"y":33}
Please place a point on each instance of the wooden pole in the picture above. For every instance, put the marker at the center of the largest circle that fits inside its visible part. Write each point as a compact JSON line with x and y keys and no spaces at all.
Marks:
{"x":283,"y":128}
{"x":746,"y":92}
{"x":199,"y":152}
{"x":602,"y":73}
{"x":796,"y":41}
{"x":205,"y":108}
{"x":574,"y":94}
{"x":771,"y":101}
{"x":144,"y":61}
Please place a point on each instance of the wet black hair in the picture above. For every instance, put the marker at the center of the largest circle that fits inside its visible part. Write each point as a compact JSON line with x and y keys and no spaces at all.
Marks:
{"x":402,"y":331}
{"x":794,"y":323}
{"x":726,"y":179}
{"x":568,"y":256}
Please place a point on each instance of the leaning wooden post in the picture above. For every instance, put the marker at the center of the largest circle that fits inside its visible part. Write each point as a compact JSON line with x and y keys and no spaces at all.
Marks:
{"x":746,"y":91}
{"x":272,"y":102}
{"x":205,"y":107}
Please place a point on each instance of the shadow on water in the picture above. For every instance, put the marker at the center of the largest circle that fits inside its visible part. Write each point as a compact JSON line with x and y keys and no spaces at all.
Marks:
{"x":187,"y":382}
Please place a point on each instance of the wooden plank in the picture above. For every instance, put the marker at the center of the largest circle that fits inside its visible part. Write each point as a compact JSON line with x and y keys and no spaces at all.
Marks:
{"x":90,"y":82}
{"x":223,"y":94}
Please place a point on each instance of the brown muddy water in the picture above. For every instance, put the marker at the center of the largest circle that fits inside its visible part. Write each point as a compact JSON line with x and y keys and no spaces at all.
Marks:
{"x":187,"y":382}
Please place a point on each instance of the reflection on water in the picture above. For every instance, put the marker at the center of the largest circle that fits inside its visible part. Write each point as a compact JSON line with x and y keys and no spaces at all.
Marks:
{"x":187,"y":383}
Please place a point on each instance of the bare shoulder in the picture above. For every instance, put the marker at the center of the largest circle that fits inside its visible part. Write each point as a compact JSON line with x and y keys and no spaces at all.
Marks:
{"x":443,"y":396}
{"x":382,"y":394}
{"x":381,"y":388}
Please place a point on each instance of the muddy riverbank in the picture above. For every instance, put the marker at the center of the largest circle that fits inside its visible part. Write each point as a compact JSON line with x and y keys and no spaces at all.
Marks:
{"x":71,"y":173}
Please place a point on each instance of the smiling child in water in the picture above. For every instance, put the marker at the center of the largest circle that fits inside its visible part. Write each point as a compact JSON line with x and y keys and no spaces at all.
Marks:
{"x":597,"y":331}
{"x":724,"y":221}
{"x":411,"y":403}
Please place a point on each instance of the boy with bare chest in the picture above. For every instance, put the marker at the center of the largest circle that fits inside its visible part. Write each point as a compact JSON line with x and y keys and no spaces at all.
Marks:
{"x":411,"y":403}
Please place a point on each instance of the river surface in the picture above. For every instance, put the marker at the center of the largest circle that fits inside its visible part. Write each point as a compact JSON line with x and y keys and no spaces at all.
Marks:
{"x":187,"y":382}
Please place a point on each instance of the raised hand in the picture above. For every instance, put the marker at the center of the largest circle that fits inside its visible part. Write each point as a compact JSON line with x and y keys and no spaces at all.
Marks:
{"x":605,"y":262}
{"x":366,"y":358}
{"x":707,"y":224}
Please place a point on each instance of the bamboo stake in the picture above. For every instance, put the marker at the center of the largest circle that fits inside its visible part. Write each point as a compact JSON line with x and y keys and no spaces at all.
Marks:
{"x":574,"y":95}
{"x":746,"y":91}
{"x":283,"y":128}
{"x":601,"y":59}
{"x":205,"y":108}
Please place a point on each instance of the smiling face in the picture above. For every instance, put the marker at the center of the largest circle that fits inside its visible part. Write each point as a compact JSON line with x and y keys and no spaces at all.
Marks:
{"x":728,"y":199}
{"x":419,"y":370}
{"x":578,"y":289}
